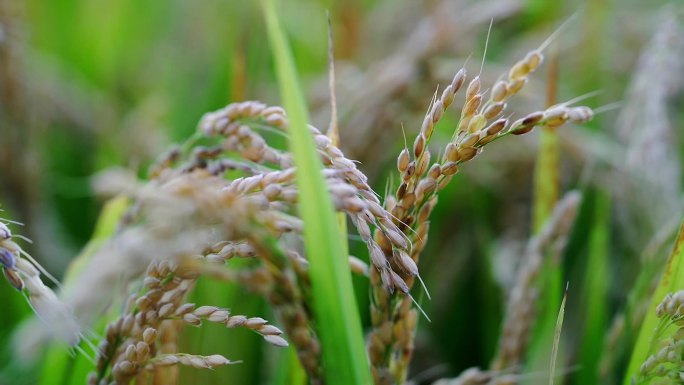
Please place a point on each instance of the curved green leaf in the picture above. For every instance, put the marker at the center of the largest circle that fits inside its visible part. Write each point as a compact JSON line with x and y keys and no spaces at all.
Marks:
{"x":337,"y":316}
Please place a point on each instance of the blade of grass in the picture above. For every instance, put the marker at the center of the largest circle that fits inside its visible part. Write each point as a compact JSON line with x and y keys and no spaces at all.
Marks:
{"x":334,"y":304}
{"x":642,"y":289}
{"x":595,"y":291}
{"x":597,"y":276}
{"x":539,"y":351}
{"x":289,"y":371}
{"x":333,"y":127}
{"x":557,"y":337}
{"x":671,"y":280}
{"x":546,"y":194}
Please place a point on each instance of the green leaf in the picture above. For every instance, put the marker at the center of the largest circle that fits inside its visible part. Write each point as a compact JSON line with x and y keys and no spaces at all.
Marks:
{"x":289,"y":370}
{"x":334,"y":304}
{"x":595,"y":291}
{"x":557,"y":338}
{"x":671,"y":280}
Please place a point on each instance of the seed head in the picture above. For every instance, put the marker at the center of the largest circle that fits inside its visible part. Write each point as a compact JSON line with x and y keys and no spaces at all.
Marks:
{"x":434,"y":171}
{"x":437,"y":111}
{"x":219,"y":316}
{"x":166,"y":309}
{"x":13,"y":278}
{"x":496,"y":127}
{"x":458,"y":80}
{"x":401,"y":191}
{"x":425,"y":186}
{"x":427,"y":127}
{"x":467,"y":153}
{"x":237,"y":320}
{"x":399,"y":282}
{"x":447,"y":96}
{"x":410,"y":171}
{"x":449,"y":168}
{"x":532,"y":119}
{"x":255,"y":322}
{"x":476,"y":123}
{"x":403,"y":160}
{"x":470,"y":140}
{"x":149,"y":336}
{"x":499,"y":91}
{"x":276,"y":341}
{"x":533,"y":59}
{"x":358,"y":266}
{"x":7,"y":258}
{"x":452,"y":152}
{"x":215,"y":360}
{"x":580,"y":114}
{"x":408,"y":200}
{"x":493,"y":110}
{"x":519,"y":71}
{"x":130,"y":353}
{"x":471,"y":105}
{"x":405,"y":261}
{"x":419,"y":146}
{"x":514,"y":86}
{"x":192,"y":319}
{"x":473,"y":88}
{"x":5,"y":232}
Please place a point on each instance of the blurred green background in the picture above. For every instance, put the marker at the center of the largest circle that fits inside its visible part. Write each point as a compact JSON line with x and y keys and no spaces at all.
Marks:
{"x":88,"y":85}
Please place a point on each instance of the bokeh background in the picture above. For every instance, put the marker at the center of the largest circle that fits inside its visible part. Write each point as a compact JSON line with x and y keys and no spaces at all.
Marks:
{"x":92,"y":86}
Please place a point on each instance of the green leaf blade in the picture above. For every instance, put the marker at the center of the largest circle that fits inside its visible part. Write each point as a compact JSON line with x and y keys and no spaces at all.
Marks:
{"x":337,"y":316}
{"x":672,"y":279}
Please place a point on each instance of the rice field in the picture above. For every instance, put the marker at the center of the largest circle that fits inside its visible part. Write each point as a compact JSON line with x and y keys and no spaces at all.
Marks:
{"x":447,"y":192}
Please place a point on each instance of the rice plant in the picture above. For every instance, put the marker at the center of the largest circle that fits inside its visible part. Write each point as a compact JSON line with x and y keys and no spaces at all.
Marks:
{"x":290,"y":214}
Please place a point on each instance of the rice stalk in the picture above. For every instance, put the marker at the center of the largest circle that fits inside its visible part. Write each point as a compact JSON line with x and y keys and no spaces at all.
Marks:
{"x":521,"y":313}
{"x":480,"y":123}
{"x":229,"y":192}
{"x":595,"y":290}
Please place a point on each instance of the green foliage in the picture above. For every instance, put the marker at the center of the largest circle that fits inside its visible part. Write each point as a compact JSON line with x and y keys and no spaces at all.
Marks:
{"x":595,"y":292}
{"x":289,"y":370}
{"x":338,"y":322}
{"x":672,"y":279}
{"x":557,"y":338}
{"x":100,"y":74}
